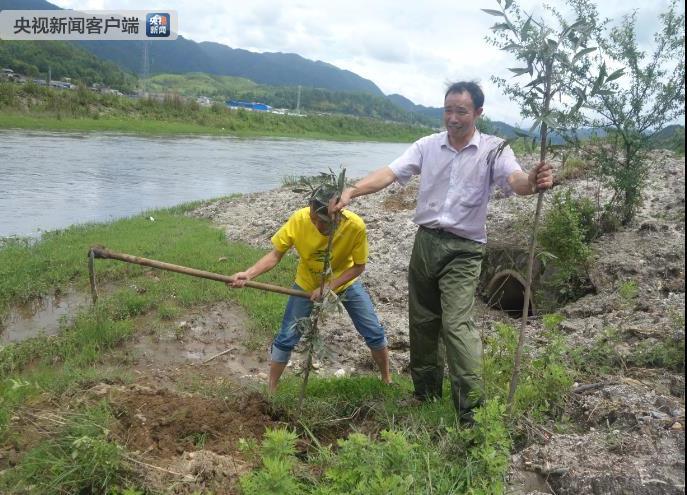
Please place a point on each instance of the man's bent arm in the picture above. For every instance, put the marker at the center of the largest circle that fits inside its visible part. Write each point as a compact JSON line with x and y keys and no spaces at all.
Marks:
{"x":539,"y":179}
{"x":346,"y":276}
{"x":263,"y":265}
{"x":375,"y":181}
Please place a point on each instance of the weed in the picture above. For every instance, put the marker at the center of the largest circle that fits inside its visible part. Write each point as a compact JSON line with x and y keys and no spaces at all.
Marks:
{"x":628,"y":291}
{"x":668,"y":354}
{"x":167,"y":312}
{"x":566,"y":231}
{"x":78,"y":459}
{"x":574,"y":168}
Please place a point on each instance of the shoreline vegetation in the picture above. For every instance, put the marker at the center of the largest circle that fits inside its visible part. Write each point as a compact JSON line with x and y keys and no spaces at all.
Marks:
{"x":30,"y":106}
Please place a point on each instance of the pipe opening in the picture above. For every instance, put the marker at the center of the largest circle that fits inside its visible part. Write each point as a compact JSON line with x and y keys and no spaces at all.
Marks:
{"x":506,"y":292}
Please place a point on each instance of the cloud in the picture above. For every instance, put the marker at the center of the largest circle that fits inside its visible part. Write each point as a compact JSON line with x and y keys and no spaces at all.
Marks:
{"x":407,"y":47}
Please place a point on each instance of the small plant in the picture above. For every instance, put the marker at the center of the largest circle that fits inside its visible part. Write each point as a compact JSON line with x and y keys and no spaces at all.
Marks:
{"x":79,"y":459}
{"x":668,"y":354}
{"x":168,"y":312}
{"x":567,"y":228}
{"x":628,"y":291}
{"x":550,"y":56}
{"x":574,"y":168}
{"x":276,"y":474}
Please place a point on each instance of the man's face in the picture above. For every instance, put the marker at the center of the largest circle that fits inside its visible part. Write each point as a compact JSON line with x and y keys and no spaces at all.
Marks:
{"x":460,"y":115}
{"x":320,"y":224}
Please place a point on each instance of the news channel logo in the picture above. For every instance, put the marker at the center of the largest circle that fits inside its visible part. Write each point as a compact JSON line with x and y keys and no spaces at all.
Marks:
{"x":88,"y":25}
{"x":158,"y":25}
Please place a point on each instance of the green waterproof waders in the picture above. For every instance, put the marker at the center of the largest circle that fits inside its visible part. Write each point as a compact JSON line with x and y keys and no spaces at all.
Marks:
{"x":442,"y":278}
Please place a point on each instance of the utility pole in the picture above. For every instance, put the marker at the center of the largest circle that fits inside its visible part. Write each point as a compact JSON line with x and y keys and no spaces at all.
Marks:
{"x":49,"y":75}
{"x":298,"y":102}
{"x":146,"y":67}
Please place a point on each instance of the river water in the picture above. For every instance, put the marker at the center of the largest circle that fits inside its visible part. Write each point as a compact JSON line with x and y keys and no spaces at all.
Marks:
{"x":51,"y":180}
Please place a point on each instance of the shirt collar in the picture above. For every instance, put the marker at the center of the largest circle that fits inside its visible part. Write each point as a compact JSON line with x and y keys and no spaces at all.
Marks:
{"x":475,"y":140}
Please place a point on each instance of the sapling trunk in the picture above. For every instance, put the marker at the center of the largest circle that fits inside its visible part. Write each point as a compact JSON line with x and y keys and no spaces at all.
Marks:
{"x":315,"y":315}
{"x":543,"y":131}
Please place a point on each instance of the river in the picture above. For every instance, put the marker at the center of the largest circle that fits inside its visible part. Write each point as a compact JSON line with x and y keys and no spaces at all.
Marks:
{"x":51,"y":180}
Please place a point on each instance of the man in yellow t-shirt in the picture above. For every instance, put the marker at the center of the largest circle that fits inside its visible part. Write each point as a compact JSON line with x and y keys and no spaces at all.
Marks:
{"x":307,"y":230}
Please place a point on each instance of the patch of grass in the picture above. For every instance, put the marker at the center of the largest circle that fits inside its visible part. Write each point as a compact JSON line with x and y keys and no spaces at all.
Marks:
{"x":628,"y":291}
{"x":29,"y":270}
{"x":545,"y":377}
{"x":667,"y":354}
{"x":78,"y":459}
{"x":398,"y":461}
{"x":574,"y":168}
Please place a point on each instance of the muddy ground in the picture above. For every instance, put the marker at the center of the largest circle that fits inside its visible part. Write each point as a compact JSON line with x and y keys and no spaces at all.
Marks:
{"x":627,"y":435}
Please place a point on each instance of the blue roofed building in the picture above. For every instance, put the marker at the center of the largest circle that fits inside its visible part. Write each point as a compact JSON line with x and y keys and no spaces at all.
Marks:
{"x":248,"y":105}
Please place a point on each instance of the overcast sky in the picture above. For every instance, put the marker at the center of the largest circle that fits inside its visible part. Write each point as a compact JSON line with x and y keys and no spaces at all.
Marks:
{"x":408,"y":47}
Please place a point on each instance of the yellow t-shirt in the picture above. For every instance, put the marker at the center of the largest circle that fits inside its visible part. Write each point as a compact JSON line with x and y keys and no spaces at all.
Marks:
{"x":349,"y":246}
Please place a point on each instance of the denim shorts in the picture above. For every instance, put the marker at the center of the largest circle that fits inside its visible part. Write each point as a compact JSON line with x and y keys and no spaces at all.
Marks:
{"x":359,"y":307}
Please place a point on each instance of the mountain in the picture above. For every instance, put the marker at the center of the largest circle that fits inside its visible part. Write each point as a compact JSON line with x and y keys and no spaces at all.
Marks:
{"x":62,"y":59}
{"x":671,"y":137}
{"x":432,"y":114}
{"x":183,"y":55}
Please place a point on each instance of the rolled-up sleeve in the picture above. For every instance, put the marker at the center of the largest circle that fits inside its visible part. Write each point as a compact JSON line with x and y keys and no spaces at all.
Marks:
{"x":505,"y":165}
{"x":408,"y":164}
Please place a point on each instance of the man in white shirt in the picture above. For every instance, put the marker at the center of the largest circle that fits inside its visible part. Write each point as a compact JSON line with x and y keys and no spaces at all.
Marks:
{"x":457,"y":169}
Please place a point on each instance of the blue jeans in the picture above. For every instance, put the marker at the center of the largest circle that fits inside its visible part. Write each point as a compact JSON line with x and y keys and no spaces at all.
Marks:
{"x":358,"y":306}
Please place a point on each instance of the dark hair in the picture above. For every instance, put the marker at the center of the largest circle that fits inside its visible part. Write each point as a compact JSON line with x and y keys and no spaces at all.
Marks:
{"x":472,"y":88}
{"x":317,"y":204}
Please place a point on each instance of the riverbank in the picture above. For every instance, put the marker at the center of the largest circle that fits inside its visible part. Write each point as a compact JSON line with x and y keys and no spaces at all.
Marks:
{"x":142,"y":365}
{"x":29,"y":106}
{"x":160,"y":387}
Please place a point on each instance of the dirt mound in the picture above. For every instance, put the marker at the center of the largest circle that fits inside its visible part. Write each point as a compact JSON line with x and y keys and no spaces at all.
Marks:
{"x":164,"y":424}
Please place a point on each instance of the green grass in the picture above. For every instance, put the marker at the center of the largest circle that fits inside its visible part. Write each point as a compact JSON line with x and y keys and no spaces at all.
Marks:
{"x":28,"y":271}
{"x":59,"y":260}
{"x":78,"y":458}
{"x":34,"y":107}
{"x":198,"y":84}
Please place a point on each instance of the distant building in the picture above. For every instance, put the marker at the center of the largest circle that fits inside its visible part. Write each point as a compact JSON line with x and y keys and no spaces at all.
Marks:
{"x":62,"y":85}
{"x":204,"y":101}
{"x":248,"y":105}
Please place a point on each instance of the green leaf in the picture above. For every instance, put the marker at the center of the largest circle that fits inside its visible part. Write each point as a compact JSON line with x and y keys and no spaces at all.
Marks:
{"x":536,"y":124}
{"x":501,"y":26}
{"x":575,"y":25}
{"x":525,"y":27}
{"x":536,"y":81}
{"x":578,"y":105}
{"x":494,"y":12}
{"x":512,"y":47}
{"x":582,"y":53}
{"x":519,"y":71}
{"x":597,"y":84}
{"x":562,"y":58}
{"x":615,"y":75}
{"x":508,"y":4}
{"x":549,"y":121}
